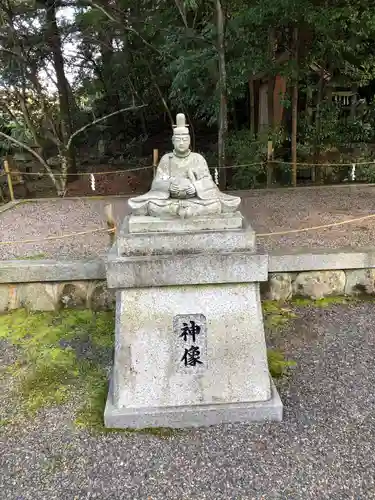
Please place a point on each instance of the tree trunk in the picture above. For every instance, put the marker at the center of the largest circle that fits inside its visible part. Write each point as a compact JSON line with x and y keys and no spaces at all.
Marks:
{"x":223,"y":112}
{"x":54,"y":41}
{"x":318,"y":174}
{"x":252,"y":107}
{"x":271,"y":81}
{"x":295,"y":110}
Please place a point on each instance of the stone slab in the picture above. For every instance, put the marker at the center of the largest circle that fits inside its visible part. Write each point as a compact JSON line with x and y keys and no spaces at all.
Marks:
{"x":33,"y":271}
{"x":205,"y":268}
{"x":321,"y":259}
{"x":150,"y":368}
{"x":147,"y":224}
{"x":199,"y":416}
{"x":237,"y":240}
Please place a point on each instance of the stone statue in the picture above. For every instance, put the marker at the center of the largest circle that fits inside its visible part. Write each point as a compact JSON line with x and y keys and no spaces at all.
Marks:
{"x":183,"y":185}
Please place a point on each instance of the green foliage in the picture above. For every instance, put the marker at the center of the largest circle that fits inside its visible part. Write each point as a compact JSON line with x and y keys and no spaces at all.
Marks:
{"x":131,"y":52}
{"x":250,"y":154}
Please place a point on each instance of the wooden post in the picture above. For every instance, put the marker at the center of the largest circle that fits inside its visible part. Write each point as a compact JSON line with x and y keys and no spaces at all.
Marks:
{"x":9,"y":178}
{"x":155,"y":159}
{"x":111,"y":224}
{"x":269,"y":163}
{"x":294,"y":134}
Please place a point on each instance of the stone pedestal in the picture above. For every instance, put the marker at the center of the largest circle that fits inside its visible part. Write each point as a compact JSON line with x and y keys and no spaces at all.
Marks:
{"x":190,"y":347}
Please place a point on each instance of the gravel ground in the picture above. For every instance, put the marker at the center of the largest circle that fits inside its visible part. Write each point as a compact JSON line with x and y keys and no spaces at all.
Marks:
{"x":268,"y":211}
{"x":322,"y":450}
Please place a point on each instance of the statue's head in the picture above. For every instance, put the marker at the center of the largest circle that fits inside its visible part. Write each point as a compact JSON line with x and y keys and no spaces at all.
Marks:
{"x":181,"y":136}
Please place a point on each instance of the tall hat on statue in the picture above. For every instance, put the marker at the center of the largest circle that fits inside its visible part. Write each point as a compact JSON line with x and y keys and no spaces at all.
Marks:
{"x":181,"y":128}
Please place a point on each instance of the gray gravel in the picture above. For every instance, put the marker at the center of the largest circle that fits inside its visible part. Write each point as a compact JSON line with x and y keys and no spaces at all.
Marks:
{"x":268,"y":211}
{"x":322,"y":450}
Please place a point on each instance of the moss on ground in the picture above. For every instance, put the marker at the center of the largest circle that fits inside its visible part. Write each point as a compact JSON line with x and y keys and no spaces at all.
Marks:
{"x":278,"y":314}
{"x":37,"y":256}
{"x":65,"y":356}
{"x":60,"y":355}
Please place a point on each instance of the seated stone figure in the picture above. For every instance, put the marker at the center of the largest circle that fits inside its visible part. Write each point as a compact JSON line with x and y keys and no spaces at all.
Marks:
{"x":183,"y":185}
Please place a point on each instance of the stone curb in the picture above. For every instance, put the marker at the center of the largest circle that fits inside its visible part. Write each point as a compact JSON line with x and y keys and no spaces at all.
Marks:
{"x":29,"y":271}
{"x":46,"y":285}
{"x":321,"y":260}
{"x":34,"y":271}
{"x":12,"y":204}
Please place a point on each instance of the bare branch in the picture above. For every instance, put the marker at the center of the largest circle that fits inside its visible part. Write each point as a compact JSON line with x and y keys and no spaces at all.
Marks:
{"x":160,"y":94}
{"x":126,"y":28}
{"x":180,"y":7}
{"x":98,"y":120}
{"x":31,"y":151}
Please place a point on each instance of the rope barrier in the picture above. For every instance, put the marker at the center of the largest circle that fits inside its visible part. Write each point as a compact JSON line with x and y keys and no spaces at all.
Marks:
{"x":136,"y":169}
{"x":62,"y":236}
{"x":314,"y":228}
{"x":325,"y":164}
{"x":259,"y":235}
{"x":89,"y":173}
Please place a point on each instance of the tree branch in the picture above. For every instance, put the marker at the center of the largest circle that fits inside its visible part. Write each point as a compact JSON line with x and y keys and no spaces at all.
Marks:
{"x":160,"y":94}
{"x":126,"y":28}
{"x":12,"y":53}
{"x":8,"y":108}
{"x":180,"y":8}
{"x":31,"y":151}
{"x":98,"y":120}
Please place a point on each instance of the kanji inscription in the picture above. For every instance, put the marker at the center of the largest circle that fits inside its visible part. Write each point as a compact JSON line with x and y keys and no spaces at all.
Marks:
{"x":190,"y":333}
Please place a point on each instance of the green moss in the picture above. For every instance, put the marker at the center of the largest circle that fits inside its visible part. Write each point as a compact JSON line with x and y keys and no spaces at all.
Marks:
{"x":276,"y":314}
{"x":277,"y":364}
{"x":63,"y":356}
{"x":37,"y":256}
{"x":324,"y":302}
{"x":52,"y":366}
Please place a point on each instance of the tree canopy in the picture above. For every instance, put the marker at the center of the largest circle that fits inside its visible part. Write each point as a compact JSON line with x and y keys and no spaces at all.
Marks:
{"x":66,"y":63}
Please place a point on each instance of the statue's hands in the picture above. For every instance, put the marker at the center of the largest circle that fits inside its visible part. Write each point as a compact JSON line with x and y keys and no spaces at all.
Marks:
{"x":180,"y":188}
{"x":191,"y":190}
{"x":174,"y":188}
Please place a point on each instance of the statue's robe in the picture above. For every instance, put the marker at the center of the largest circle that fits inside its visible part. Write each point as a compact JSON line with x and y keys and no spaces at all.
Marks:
{"x":207,"y":193}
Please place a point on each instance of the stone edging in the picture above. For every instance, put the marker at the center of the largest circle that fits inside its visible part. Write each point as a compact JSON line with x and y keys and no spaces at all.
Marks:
{"x":36,"y":271}
{"x":33,"y":271}
{"x":50,"y":284}
{"x":321,"y":260}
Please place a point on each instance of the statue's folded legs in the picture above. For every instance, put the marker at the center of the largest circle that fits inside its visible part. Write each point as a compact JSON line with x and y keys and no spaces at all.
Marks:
{"x":183,"y":208}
